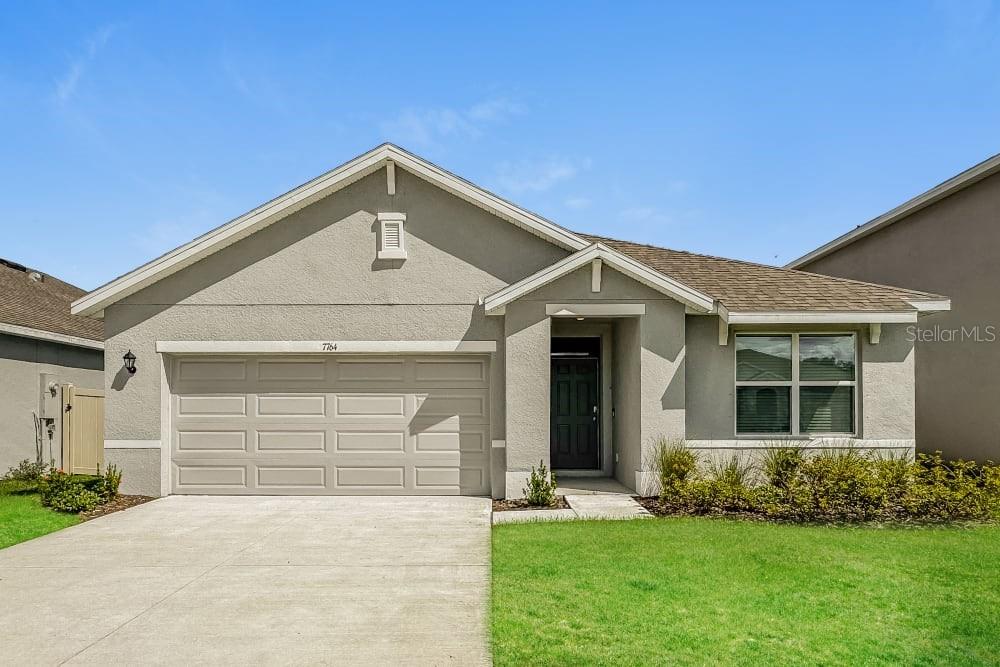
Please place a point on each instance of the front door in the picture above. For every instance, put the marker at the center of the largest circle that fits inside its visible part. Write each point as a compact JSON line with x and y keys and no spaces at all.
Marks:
{"x":575,"y":437}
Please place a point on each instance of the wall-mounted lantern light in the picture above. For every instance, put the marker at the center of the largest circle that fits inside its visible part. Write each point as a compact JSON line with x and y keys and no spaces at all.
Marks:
{"x":129,"y":362}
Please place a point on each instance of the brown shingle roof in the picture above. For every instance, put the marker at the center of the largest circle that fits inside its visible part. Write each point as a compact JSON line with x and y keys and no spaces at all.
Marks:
{"x":748,"y":287}
{"x":42,"y":304}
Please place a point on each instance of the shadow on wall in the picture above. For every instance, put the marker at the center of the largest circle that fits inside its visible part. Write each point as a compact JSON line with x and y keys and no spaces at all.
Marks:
{"x":121,"y":379}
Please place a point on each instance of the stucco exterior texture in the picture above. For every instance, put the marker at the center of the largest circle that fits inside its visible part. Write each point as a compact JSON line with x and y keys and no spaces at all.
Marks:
{"x":23,"y":362}
{"x":948,"y":248}
{"x":314,"y":276}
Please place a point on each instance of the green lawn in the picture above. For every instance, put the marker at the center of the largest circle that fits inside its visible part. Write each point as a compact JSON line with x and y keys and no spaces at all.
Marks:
{"x":704,"y":591}
{"x":22,"y":516}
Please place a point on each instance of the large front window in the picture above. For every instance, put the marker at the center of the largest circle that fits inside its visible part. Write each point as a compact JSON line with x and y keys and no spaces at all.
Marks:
{"x":795,"y":384}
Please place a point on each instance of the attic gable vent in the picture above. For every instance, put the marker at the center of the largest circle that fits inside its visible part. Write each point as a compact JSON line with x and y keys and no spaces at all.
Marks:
{"x":391,"y":242}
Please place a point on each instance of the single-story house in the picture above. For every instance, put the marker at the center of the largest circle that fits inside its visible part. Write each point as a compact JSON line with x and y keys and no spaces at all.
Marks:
{"x":944,"y":240}
{"x":42,"y":348}
{"x":391,"y":328}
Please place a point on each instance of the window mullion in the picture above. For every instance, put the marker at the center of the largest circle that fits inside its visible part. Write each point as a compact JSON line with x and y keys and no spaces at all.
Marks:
{"x":794,"y":430}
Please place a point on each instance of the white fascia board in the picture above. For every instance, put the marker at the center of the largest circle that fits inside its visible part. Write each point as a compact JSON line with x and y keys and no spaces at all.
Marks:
{"x":325,"y":346}
{"x":94,"y":302}
{"x":931,"y":306}
{"x":630,"y":267}
{"x":51,"y":336}
{"x":595,"y":309}
{"x":855,"y":317}
{"x":963,"y":180}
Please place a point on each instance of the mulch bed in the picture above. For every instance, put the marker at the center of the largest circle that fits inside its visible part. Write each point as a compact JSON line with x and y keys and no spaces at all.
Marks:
{"x":122,"y":502}
{"x":522,"y":504}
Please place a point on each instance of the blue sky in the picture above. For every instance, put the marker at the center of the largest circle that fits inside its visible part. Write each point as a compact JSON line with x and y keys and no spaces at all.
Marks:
{"x":749,"y":130}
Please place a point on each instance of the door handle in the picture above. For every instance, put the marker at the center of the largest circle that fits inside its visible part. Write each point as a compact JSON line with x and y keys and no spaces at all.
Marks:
{"x":595,"y":413}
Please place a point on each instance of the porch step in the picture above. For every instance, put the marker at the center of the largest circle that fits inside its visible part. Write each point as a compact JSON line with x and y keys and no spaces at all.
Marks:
{"x":606,"y":506}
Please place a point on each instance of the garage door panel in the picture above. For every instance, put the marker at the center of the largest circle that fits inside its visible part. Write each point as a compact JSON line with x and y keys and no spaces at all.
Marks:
{"x":297,"y":371}
{"x":444,"y":403}
{"x":450,"y":372}
{"x":291,"y":477}
{"x":371,"y":425}
{"x":210,"y":474}
{"x":351,"y":441}
{"x":370,"y":406}
{"x":468,"y":441}
{"x":212,"y":406}
{"x":214,"y":440}
{"x":291,"y":440}
{"x":365,"y":372}
{"x":283,"y":405}
{"x":211,"y":370}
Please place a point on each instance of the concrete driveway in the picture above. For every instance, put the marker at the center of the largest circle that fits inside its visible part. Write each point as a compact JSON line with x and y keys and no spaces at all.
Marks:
{"x":255,"y":581}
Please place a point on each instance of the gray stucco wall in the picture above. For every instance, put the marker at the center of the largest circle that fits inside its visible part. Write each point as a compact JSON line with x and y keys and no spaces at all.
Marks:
{"x":949,"y":248}
{"x":314,"y":276}
{"x":140,"y":470}
{"x":886,"y":384}
{"x":22,"y":361}
{"x":627,"y":400}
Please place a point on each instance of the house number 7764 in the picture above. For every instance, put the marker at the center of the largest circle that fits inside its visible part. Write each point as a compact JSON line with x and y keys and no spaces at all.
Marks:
{"x":329,"y":347}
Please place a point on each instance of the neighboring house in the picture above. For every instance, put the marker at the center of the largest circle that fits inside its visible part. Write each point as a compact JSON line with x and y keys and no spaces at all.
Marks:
{"x":945,"y":240}
{"x":390,"y":328}
{"x":42,"y":347}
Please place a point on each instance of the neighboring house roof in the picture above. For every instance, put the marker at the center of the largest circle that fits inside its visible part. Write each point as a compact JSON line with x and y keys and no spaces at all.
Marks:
{"x":724,"y":284}
{"x":970,"y":176}
{"x":748,"y":287}
{"x":36,"y":305}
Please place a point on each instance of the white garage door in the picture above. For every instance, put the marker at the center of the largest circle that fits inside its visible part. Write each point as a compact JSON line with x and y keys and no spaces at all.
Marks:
{"x":330,"y":425}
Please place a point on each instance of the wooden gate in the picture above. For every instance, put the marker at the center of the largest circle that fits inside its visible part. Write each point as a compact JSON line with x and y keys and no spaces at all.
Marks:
{"x":82,"y":429}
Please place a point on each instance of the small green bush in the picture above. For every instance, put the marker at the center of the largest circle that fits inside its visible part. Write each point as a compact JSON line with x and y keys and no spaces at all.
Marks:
{"x":541,"y":489}
{"x":781,"y":464}
{"x":675,"y":465}
{"x":70,"y":493}
{"x":27,"y":471}
{"x":112,"y":480}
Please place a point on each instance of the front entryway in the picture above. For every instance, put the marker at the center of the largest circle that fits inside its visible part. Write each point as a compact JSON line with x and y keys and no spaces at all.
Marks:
{"x":575,"y":439}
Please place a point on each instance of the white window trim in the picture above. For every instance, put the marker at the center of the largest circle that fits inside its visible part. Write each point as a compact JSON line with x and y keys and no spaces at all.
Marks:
{"x":794,"y":384}
{"x":391,"y":253}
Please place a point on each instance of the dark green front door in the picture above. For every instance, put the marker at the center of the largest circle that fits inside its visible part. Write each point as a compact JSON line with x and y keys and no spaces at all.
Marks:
{"x":575,"y":438}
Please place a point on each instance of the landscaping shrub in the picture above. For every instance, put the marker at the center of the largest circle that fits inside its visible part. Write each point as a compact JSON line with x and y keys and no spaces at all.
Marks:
{"x":780,"y":465}
{"x":26,"y":471}
{"x":78,"y":493}
{"x":112,"y":480}
{"x":541,"y":489}
{"x":66,"y":493}
{"x":834,"y":486}
{"x":675,"y":466}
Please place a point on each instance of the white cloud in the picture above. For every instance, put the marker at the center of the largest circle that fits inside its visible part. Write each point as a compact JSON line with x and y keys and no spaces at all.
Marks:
{"x":67,"y":85}
{"x":427,"y":126}
{"x":539,"y":175}
{"x":578,"y":203}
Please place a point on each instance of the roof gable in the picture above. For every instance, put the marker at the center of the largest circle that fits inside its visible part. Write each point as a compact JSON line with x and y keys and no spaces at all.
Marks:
{"x":386,"y":156}
{"x":632,"y":268}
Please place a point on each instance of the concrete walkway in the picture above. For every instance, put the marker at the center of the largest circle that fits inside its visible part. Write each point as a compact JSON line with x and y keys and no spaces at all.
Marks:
{"x":588,"y":498}
{"x":212,"y":580}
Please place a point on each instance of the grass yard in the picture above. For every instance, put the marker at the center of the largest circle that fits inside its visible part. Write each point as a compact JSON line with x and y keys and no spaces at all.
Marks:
{"x":706,"y":591}
{"x":22,"y":516}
